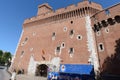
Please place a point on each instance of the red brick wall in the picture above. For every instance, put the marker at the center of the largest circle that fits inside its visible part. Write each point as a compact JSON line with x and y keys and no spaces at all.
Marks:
{"x":38,"y":30}
{"x":107,"y":38}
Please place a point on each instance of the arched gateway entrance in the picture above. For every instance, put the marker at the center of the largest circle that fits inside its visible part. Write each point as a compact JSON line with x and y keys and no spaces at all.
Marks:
{"x":42,"y":70}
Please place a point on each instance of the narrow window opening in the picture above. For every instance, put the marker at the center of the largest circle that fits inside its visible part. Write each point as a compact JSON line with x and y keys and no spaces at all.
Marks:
{"x":24,"y":42}
{"x":98,"y":33}
{"x":107,"y":30}
{"x":22,"y":53}
{"x":71,"y":22}
{"x":79,"y":37}
{"x":63,"y":45}
{"x":71,"y":32}
{"x":65,"y":29}
{"x":71,"y":50}
{"x":101,"y":47}
{"x":26,"y":39}
{"x":58,"y":49}
{"x":53,"y":36}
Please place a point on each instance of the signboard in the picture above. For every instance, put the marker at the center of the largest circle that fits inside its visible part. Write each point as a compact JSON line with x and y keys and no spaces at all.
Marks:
{"x":77,"y":69}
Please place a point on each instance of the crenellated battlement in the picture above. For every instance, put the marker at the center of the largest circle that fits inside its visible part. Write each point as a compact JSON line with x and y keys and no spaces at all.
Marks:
{"x":106,"y":17}
{"x":47,"y":14}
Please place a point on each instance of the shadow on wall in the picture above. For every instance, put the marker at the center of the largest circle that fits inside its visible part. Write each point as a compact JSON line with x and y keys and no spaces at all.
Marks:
{"x":111,"y":65}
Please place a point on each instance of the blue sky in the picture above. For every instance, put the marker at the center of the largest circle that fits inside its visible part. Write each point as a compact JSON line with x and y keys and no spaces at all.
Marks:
{"x":14,"y":12}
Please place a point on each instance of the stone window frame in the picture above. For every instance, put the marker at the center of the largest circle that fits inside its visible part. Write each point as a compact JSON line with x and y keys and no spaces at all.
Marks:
{"x":65,"y":29}
{"x":71,"y":33}
{"x":79,"y":36}
{"x":71,"y":53}
{"x":101,"y":47}
{"x":25,"y":41}
{"x":58,"y":51}
{"x":53,"y":35}
{"x":107,"y":30}
{"x":63,"y":45}
{"x":98,"y":33}
{"x":71,"y":22}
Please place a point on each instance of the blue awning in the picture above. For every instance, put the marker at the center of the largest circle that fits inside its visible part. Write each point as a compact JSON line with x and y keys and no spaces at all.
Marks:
{"x":82,"y":69}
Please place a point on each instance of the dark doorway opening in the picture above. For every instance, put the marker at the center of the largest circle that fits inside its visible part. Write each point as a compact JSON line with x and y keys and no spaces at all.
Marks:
{"x":42,"y":70}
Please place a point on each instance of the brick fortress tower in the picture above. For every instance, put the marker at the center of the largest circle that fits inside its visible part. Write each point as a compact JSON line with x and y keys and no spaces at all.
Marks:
{"x":51,"y":38}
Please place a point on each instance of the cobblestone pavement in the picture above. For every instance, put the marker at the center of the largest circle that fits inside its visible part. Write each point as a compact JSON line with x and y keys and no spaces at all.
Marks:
{"x":26,"y":77}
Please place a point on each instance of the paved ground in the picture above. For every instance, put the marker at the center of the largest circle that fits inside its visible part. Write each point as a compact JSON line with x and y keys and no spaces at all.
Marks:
{"x":4,"y":75}
{"x":26,"y":77}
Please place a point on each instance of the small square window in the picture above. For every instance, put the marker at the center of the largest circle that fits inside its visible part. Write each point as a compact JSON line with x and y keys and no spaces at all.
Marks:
{"x":71,"y":51}
{"x":58,"y":49}
{"x":71,"y":22}
{"x":79,"y":37}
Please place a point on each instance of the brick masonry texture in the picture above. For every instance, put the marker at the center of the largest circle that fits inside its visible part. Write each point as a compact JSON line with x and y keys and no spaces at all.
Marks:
{"x":44,"y":33}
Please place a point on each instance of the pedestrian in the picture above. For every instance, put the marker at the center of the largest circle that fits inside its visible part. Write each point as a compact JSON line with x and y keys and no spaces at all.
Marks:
{"x":13,"y":77}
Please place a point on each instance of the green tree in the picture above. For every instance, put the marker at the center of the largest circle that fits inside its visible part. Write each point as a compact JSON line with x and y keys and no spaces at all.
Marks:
{"x":1,"y":54}
{"x":7,"y":56}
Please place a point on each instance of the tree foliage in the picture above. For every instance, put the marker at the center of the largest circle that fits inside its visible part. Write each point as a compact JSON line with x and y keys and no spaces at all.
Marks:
{"x":5,"y":57}
{"x":1,"y":54}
